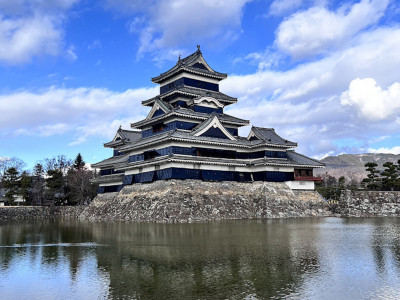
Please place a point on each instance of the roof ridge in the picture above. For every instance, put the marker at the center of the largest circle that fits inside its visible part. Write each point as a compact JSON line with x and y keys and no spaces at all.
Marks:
{"x":305,"y":156}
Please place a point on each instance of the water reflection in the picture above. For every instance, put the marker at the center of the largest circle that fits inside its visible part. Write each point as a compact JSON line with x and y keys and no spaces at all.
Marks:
{"x":293,"y":259}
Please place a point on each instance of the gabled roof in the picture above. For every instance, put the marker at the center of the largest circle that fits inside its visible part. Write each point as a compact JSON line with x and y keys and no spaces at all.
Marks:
{"x":269,"y":136}
{"x":124,"y":136}
{"x":194,"y":93}
{"x":190,"y":114}
{"x":194,"y":63}
{"x":212,"y":122}
{"x":159,"y":104}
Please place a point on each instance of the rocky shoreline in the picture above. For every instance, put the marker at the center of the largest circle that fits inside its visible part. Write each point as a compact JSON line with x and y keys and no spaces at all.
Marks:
{"x":39,"y":212}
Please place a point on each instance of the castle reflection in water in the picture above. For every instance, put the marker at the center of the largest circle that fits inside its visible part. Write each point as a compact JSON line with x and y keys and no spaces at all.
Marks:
{"x":300,"y":258}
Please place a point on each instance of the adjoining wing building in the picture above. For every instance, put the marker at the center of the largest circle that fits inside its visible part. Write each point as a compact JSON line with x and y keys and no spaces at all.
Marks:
{"x":187,"y":135}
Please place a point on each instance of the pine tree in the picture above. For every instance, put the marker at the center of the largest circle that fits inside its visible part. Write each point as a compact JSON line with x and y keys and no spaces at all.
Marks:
{"x":390,"y":177}
{"x":373,"y":180}
{"x":25,"y":186}
{"x":55,"y":183}
{"x":11,"y":183}
{"x":38,"y":184}
{"x":79,"y":163}
{"x":342,"y":182}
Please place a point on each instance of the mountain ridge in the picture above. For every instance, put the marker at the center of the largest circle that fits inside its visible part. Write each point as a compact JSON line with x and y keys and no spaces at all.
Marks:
{"x":351,"y":166}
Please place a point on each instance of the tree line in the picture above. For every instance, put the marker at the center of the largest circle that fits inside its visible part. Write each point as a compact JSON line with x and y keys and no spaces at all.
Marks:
{"x":53,"y":181}
{"x":387,"y":180}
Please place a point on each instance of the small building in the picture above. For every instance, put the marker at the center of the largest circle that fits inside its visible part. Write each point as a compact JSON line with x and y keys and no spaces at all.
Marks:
{"x":3,"y":198}
{"x":187,"y":135}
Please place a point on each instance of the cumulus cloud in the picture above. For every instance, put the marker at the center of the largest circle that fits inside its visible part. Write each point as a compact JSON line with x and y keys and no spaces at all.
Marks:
{"x":317,"y":30}
{"x":372,"y":102}
{"x":84,"y":112}
{"x":31,"y":28}
{"x":393,"y":150}
{"x":216,"y":22}
{"x":305,"y":103}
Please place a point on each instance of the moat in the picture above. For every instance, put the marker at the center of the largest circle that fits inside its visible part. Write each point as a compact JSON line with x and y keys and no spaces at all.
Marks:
{"x":308,"y":258}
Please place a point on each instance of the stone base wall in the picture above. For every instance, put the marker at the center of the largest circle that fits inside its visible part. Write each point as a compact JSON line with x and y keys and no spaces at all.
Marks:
{"x":193,"y":200}
{"x":369,"y":203}
{"x":38,"y":212}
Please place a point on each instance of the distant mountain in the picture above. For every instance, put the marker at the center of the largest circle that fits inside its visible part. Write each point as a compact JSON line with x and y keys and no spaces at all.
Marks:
{"x":352,"y":165}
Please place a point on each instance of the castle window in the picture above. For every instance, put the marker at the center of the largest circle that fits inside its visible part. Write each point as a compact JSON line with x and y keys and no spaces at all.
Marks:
{"x":158,"y":128}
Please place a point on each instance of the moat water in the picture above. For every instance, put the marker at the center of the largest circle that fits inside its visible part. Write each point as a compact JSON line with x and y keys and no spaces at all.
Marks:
{"x":312,"y":258}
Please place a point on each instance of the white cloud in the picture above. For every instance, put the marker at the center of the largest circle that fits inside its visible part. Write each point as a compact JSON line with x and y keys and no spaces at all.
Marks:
{"x":174,"y":24}
{"x":318,"y":30}
{"x":94,"y":45}
{"x":71,"y":53}
{"x":304,"y":103}
{"x":84,"y":112}
{"x":372,"y":102}
{"x":393,"y":150}
{"x":22,"y":39}
{"x":279,"y":7}
{"x":45,"y":130}
{"x":31,"y":28}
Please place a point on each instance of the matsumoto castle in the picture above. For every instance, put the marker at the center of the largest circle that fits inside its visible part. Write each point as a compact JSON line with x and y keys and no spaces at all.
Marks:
{"x":187,"y":135}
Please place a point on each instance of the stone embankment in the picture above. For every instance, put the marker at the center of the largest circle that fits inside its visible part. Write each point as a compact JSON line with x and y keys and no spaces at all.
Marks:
{"x":368,"y":204}
{"x":39,"y":212}
{"x":199,"y":201}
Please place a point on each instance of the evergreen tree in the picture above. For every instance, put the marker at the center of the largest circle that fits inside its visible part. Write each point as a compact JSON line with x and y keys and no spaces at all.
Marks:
{"x":55,"y":184}
{"x":25,"y":186}
{"x":390,"y":176}
{"x":373,"y":180}
{"x":38,"y":184}
{"x":341,"y":182}
{"x":11,"y":180}
{"x":79,"y":163}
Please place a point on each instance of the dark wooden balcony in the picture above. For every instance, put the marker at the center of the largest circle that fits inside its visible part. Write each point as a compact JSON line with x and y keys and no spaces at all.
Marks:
{"x":307,"y":178}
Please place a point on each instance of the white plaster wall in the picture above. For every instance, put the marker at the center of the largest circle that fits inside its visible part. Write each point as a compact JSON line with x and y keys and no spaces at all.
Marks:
{"x":301,"y":185}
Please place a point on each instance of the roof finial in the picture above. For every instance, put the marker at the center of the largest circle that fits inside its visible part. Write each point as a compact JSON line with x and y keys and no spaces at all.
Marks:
{"x":179,"y":58}
{"x":198,"y":48}
{"x":120,"y":127}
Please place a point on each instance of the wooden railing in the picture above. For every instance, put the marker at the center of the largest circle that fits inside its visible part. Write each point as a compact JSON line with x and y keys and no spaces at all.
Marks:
{"x":308,"y":178}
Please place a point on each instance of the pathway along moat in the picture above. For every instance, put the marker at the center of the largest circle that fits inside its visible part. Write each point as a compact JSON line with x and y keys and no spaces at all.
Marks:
{"x":309,"y":258}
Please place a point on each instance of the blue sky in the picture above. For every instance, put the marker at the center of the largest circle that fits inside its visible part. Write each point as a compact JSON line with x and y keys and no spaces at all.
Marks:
{"x":322,"y":73}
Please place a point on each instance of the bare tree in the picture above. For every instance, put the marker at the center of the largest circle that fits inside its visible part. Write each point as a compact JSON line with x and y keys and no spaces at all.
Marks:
{"x":82,"y":191}
{"x":60,"y":162}
{"x":11,"y":162}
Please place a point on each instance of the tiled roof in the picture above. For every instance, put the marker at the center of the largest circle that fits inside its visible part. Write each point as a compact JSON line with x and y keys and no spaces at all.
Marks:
{"x":186,"y":112}
{"x":131,"y":135}
{"x":126,"y":136}
{"x":193,"y":92}
{"x":196,"y":92}
{"x":115,"y":160}
{"x":270,"y":136}
{"x":186,"y":64}
{"x":304,"y":160}
{"x":109,"y":178}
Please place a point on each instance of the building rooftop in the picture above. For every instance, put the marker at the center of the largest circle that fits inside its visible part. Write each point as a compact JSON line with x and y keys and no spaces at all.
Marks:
{"x":269,"y":135}
{"x":193,"y":92}
{"x":193,"y":63}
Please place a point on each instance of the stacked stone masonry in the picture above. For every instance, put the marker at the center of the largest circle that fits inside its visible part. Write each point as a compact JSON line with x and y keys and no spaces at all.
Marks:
{"x":197,"y":201}
{"x":369,"y":204}
{"x":39,"y":212}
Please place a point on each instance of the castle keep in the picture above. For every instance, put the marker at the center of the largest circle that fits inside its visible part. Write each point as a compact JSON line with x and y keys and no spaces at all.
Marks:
{"x":187,"y":135}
